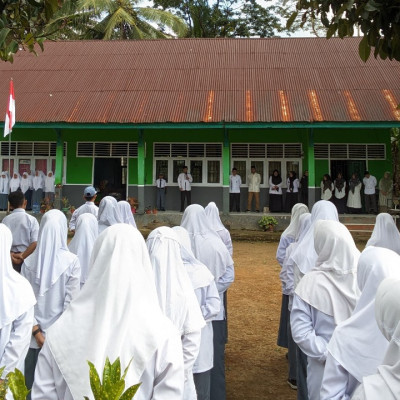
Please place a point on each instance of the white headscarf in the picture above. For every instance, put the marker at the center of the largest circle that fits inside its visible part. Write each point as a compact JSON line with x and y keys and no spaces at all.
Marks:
{"x":15,"y":182}
{"x":49,"y":182}
{"x":207,"y":246}
{"x":175,"y":292}
{"x":108,"y":213}
{"x":116,"y":313}
{"x":125,"y":211}
{"x":385,"y":233}
{"x":38,"y":181}
{"x":305,"y":256}
{"x":385,"y":384}
{"x":198,"y":273}
{"x":51,"y":257}
{"x":331,"y":286}
{"x":297,"y":210}
{"x":357,"y":343}
{"x":86,"y":233}
{"x":25,"y":182}
{"x":16,"y":294}
{"x":4,"y":183}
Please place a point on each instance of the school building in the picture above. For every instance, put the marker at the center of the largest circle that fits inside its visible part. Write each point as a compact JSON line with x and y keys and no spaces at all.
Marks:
{"x":116,"y":113}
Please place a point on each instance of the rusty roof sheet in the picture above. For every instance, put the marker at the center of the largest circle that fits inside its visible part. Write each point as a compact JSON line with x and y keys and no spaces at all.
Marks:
{"x":202,"y":80}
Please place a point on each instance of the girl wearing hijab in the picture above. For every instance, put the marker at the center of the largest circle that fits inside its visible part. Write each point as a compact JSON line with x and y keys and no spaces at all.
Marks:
{"x":117,"y":315}
{"x":211,"y":251}
{"x":125,"y":212}
{"x":176,"y":297}
{"x":108,"y":213}
{"x":385,"y":233}
{"x":385,"y":384}
{"x":25,"y":188}
{"x":340,"y":193}
{"x":214,"y":219}
{"x":54,"y":274}
{"x":275,"y":192}
{"x":15,"y":182}
{"x":325,"y":297}
{"x":83,"y":241}
{"x":357,"y":346}
{"x":354,"y":196}
{"x":385,"y":192}
{"x":16,"y":310}
{"x":326,"y":187}
{"x":292,"y":192}
{"x":49,"y":187}
{"x":304,"y":188}
{"x":4,"y":190}
{"x":38,"y":186}
{"x":207,"y":295}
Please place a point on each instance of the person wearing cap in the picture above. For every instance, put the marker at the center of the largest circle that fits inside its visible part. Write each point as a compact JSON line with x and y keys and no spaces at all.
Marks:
{"x":89,"y":194}
{"x":161,"y":185}
{"x":370,"y":182}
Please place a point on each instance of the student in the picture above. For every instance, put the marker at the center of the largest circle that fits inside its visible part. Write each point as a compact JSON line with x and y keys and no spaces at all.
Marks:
{"x":207,"y":295}
{"x":324,"y":297}
{"x":340,"y":193}
{"x":125,"y":211}
{"x":161,"y":185}
{"x":185,"y":186}
{"x":49,"y":187}
{"x":275,"y":192}
{"x":26,"y":189}
{"x":38,"y":186}
{"x":83,"y":241}
{"x":253,"y":180}
{"x":385,"y":384}
{"x":354,"y":195}
{"x":357,"y":346}
{"x":235,"y":181}
{"x":15,"y":182}
{"x":16,"y":310}
{"x":89,"y":194}
{"x":54,"y":273}
{"x":326,"y":187}
{"x":304,"y":188}
{"x":108,"y":213}
{"x":116,"y":315}
{"x":385,"y":192}
{"x":369,"y":182}
{"x":385,"y":233}
{"x":4,"y":190}
{"x":176,"y":297}
{"x":292,"y":192}
{"x":24,"y":228}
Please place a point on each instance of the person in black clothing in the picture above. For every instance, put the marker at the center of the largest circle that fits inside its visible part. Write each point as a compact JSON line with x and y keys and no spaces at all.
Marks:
{"x":304,"y":188}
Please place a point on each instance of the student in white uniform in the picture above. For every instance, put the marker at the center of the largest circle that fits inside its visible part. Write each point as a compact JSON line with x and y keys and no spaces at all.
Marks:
{"x":326,"y":187}
{"x":26,"y":184}
{"x":38,"y":186}
{"x":4,"y":190}
{"x":354,"y":195}
{"x":235,"y":181}
{"x":357,"y":345}
{"x":324,"y":297}
{"x":340,"y":193}
{"x":370,"y":183}
{"x":275,"y":192}
{"x":176,"y":297}
{"x":116,"y":314}
{"x":207,"y":295}
{"x":292,"y":191}
{"x":16,"y":310}
{"x":24,"y":228}
{"x":208,"y":248}
{"x":185,"y":186}
{"x":89,"y":194}
{"x":385,"y":384}
{"x":126,"y":214}
{"x":15,"y":182}
{"x":83,"y":241}
{"x":54,"y":273}
{"x":108,"y":213}
{"x":49,"y":186}
{"x":161,"y":185}
{"x":385,"y":233}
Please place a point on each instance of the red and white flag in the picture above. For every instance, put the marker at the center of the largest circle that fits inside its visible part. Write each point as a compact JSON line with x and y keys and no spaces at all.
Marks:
{"x":10,"y":115}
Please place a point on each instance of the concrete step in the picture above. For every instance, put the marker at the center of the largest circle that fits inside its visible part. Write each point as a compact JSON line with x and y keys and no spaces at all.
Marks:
{"x":360,"y":227}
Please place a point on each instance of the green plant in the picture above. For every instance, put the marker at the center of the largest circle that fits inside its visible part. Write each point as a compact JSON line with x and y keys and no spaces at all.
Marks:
{"x":266,"y":221}
{"x":15,"y":381}
{"x":113,"y":385}
{"x":3,"y":385}
{"x":65,"y":202}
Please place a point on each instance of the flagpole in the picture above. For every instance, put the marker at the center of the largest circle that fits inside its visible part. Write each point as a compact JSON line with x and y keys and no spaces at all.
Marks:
{"x":9,"y":161}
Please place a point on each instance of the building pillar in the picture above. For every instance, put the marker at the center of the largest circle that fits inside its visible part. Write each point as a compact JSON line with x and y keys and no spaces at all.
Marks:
{"x":226,"y":161}
{"x":312,"y":189}
{"x":141,"y":170}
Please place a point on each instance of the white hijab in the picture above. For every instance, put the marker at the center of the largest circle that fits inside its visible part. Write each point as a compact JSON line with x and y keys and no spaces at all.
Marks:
{"x":214,"y":219}
{"x":385,"y":233}
{"x":305,"y":256}
{"x":38,"y":181}
{"x":331,"y":286}
{"x":297,"y":210}
{"x":4,"y":186}
{"x":15,"y":182}
{"x":174,"y":290}
{"x":125,"y":212}
{"x":86,"y":233}
{"x":25,"y":182}
{"x":385,"y":384}
{"x":116,"y":314}
{"x":16,"y":294}
{"x":198,"y":273}
{"x":51,"y":257}
{"x":207,"y":246}
{"x":49,"y":182}
{"x":108,"y":213}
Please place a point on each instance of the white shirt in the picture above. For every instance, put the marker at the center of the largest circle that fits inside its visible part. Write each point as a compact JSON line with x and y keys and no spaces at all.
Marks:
{"x":369,"y":184}
{"x":184,"y":181}
{"x":327,"y":195}
{"x":88,"y":207}
{"x":342,"y":193}
{"x":234,"y":183}
{"x":254,"y":181}
{"x":24,"y":229}
{"x":296,"y":185}
{"x":161,"y":183}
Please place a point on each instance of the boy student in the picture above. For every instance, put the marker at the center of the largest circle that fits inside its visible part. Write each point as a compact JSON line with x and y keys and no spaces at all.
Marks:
{"x":89,"y":194}
{"x":24,"y":229}
{"x":185,"y":186}
{"x":161,"y":184}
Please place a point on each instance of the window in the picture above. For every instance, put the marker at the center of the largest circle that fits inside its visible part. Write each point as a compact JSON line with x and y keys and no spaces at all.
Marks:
{"x":241,"y":169}
{"x":177,"y":169}
{"x":107,"y":149}
{"x":273,"y":165}
{"x":213,"y":171}
{"x":344,"y":151}
{"x":259,"y":168}
{"x":292,"y":166}
{"x":196,"y":170}
{"x":162,"y":167}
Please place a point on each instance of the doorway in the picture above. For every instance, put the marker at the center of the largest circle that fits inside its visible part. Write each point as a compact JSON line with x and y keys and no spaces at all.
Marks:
{"x":110,"y":177}
{"x":347,"y":168}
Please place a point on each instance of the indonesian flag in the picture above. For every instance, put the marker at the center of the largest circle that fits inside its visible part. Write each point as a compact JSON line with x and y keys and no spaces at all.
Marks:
{"x":10,"y":115}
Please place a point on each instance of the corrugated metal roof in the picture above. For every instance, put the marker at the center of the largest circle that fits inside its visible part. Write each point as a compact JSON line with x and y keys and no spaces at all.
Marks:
{"x":202,"y":80}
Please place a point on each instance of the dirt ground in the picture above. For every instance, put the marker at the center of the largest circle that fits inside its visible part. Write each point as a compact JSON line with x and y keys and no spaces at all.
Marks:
{"x":256,"y":368}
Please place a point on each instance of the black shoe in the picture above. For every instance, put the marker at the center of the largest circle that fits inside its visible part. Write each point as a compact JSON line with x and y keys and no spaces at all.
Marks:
{"x":292,"y":383}
{"x":257,"y":210}
{"x":163,"y":209}
{"x":247,"y":210}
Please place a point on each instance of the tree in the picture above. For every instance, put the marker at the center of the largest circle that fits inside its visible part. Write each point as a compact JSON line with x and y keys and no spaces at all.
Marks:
{"x":378,"y":20}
